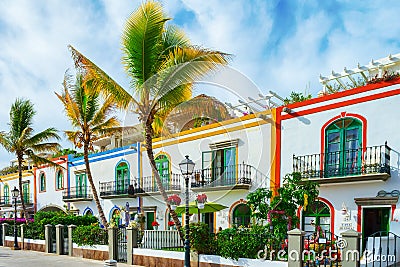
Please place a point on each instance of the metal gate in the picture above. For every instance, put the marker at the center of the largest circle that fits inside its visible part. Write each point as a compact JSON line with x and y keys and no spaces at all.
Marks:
{"x":322,"y":248}
{"x":381,"y":249}
{"x":53,"y":239}
{"x":65,"y":239}
{"x":121,"y":245}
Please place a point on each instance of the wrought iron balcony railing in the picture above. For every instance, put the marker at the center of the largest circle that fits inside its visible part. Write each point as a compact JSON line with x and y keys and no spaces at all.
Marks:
{"x":5,"y":201}
{"x":77,"y":194}
{"x":240,"y":174}
{"x":118,"y":188}
{"x":9,"y":201}
{"x":351,"y":162}
{"x":170,"y":181}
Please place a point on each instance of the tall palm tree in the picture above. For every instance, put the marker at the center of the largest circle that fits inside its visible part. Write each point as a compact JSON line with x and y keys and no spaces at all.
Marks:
{"x":89,"y":114}
{"x":162,"y":65}
{"x":24,"y":143}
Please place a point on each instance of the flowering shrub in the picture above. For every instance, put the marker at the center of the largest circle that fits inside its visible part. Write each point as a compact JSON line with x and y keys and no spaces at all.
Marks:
{"x":155,"y":223}
{"x":174,"y":200}
{"x":202,"y":198}
{"x":11,"y":220}
{"x":134,"y":225}
{"x":171,"y":223}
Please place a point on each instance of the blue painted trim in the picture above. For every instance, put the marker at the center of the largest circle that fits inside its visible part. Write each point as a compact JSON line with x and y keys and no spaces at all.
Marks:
{"x":102,"y":158}
{"x":112,"y":211}
{"x":86,"y":209}
{"x":128,"y":147}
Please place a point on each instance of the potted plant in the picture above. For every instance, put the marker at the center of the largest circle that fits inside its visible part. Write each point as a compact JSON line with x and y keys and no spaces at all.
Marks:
{"x":201,"y":200}
{"x":174,"y":201}
{"x":171,"y":225}
{"x":155,"y":225}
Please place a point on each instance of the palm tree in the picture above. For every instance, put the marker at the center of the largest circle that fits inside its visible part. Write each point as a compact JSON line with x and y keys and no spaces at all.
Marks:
{"x":162,"y":65}
{"x":90,"y":117}
{"x":23,"y":142}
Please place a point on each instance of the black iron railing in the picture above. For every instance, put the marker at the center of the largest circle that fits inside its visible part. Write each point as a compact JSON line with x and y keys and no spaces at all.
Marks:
{"x":118,"y":188}
{"x":224,"y":176}
{"x":76,"y":193}
{"x":367,"y":160}
{"x":171,"y":181}
{"x":381,"y":249}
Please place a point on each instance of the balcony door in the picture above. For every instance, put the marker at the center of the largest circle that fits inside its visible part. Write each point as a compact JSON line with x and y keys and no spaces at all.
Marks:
{"x":25,"y":191}
{"x":162,"y":165}
{"x":219,"y":165}
{"x":81,"y":185}
{"x":343,"y":150}
{"x":122,"y":177}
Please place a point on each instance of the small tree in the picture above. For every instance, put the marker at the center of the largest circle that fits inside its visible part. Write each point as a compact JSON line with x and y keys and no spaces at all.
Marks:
{"x":280,"y":211}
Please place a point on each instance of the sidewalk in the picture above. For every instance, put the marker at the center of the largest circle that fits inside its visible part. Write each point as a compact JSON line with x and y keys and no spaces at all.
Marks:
{"x":27,"y":258}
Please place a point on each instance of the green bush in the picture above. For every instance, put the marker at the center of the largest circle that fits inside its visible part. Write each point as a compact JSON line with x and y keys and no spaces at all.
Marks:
{"x":201,"y":239}
{"x":237,"y":243}
{"x":35,"y":230}
{"x":90,"y":235}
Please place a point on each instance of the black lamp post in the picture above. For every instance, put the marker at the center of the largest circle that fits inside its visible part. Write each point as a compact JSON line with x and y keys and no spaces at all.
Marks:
{"x":15,"y":193}
{"x":187,"y":167}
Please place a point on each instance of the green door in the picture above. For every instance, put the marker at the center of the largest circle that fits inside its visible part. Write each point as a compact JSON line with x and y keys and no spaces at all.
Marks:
{"x":343,"y":151}
{"x":162,"y":165}
{"x":316,"y":215}
{"x":149,"y":220}
{"x":81,"y":185}
{"x":25,"y":190}
{"x":122,"y":178}
{"x":6,"y":194}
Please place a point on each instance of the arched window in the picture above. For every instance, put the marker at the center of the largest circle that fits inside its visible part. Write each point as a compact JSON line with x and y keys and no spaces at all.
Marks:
{"x":42,"y":182}
{"x":122,"y":177}
{"x":59,"y":180}
{"x":162,"y":165}
{"x":6,"y":194}
{"x":241,"y":215}
{"x":88,"y":212}
{"x":26,"y":193}
{"x":315,"y":215}
{"x":343,"y":147}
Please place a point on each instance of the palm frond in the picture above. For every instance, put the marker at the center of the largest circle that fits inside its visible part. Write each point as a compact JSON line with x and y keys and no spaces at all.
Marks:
{"x":100,"y":81}
{"x":46,"y":147}
{"x":102,"y":113}
{"x":106,"y":127}
{"x":37,"y":160}
{"x":21,"y":116}
{"x":141,"y":41}
{"x":43,"y":136}
{"x":76,"y":137}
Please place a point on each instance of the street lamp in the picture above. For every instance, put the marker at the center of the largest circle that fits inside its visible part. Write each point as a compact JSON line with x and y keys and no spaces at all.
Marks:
{"x":15,"y":193}
{"x":187,"y":167}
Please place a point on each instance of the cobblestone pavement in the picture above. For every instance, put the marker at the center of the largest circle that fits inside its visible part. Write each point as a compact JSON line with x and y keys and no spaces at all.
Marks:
{"x":27,"y":258}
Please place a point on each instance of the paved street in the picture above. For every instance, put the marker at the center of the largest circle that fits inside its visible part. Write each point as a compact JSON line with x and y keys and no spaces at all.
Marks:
{"x":26,"y":258}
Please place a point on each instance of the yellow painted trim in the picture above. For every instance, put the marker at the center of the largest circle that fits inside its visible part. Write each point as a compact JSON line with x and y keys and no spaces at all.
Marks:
{"x":14,"y":176}
{"x":200,"y":136}
{"x":273,"y":150}
{"x":215,"y":125}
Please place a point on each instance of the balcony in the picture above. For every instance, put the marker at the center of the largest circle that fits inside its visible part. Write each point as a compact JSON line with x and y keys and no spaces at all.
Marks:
{"x":5,"y":202}
{"x":171,"y":183}
{"x":238,"y":176}
{"x":118,"y":189}
{"x":353,"y":165}
{"x":74,"y":194}
{"x":8,"y":202}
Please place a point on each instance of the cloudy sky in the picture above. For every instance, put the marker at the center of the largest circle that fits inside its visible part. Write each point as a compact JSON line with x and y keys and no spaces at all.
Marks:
{"x":278,"y":45}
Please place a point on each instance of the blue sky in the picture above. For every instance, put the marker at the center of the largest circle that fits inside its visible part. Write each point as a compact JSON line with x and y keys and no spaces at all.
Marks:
{"x":278,"y":45}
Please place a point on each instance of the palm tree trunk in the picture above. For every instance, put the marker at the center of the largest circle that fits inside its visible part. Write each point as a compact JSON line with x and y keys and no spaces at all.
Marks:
{"x":20,"y":159}
{"x":93,"y":188}
{"x":149,"y":149}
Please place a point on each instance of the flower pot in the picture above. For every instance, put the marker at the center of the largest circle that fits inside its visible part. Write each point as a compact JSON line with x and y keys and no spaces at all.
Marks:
{"x":200,"y":205}
{"x":173,"y":207}
{"x":155,"y":228}
{"x":171,"y":228}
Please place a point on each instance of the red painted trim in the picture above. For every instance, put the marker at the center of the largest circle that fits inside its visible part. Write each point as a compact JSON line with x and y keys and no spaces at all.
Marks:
{"x":359,"y":210}
{"x":332,"y":212}
{"x":362,"y":89}
{"x":393,"y":209}
{"x":55,"y":180}
{"x":278,"y":135}
{"x":338,"y":117}
{"x":341,"y":104}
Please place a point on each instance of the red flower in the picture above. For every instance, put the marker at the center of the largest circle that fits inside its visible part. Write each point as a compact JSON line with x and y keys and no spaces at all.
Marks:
{"x":174,"y":200}
{"x":171,"y":223}
{"x":202,"y":198}
{"x":155,"y":223}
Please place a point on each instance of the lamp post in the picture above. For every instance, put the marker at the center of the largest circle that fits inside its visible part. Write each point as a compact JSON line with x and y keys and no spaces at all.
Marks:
{"x":15,"y":193}
{"x":187,"y":167}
